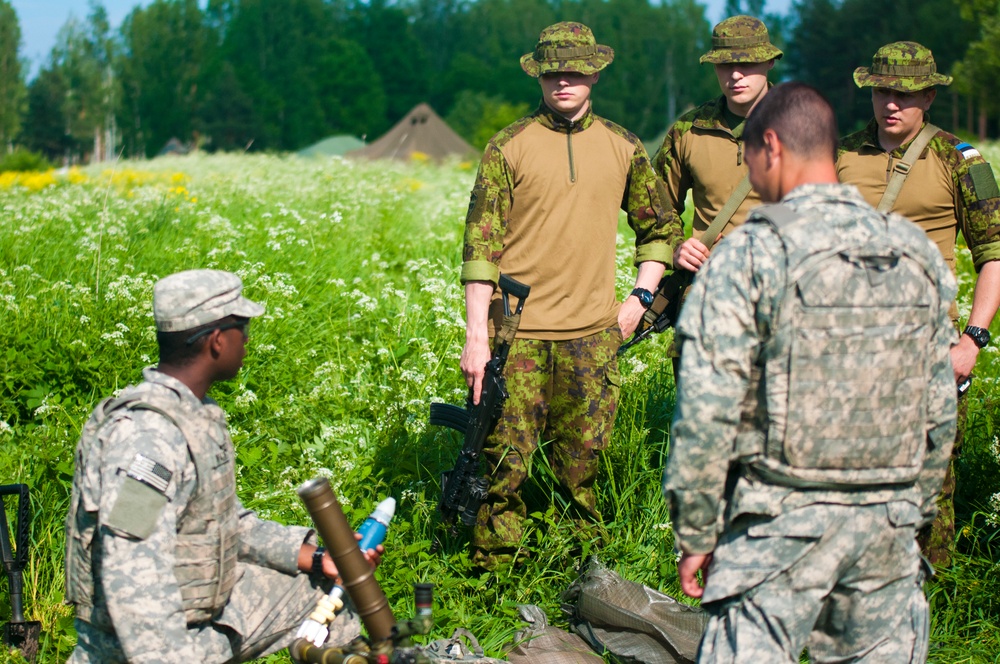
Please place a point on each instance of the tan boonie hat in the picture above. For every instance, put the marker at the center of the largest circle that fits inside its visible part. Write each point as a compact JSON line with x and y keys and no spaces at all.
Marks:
{"x":740,"y":39}
{"x":567,"y":46}
{"x":193,"y":298}
{"x":904,"y":66}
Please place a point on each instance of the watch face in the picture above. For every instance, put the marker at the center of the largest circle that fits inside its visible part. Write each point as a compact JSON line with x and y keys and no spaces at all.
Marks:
{"x":980,"y":336}
{"x":645,"y":297}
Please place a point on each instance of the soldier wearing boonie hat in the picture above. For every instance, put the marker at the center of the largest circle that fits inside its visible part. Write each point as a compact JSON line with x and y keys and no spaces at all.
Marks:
{"x":163,"y":562}
{"x":702,"y":151}
{"x":942,"y":184}
{"x":544,"y":210}
{"x":567,"y":47}
{"x":740,"y":39}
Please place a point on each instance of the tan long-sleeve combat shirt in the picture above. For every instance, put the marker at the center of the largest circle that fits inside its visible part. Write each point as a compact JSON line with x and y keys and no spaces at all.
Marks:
{"x":544,"y":211}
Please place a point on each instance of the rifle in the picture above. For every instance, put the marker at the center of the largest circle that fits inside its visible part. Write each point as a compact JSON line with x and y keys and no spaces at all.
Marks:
{"x":670,"y":291}
{"x":463,"y":489}
{"x":665,"y":308}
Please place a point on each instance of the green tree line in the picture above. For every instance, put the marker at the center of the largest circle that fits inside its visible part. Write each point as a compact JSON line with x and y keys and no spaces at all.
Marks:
{"x":282,"y":74}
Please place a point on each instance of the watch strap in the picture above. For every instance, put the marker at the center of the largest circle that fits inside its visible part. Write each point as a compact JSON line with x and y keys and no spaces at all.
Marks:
{"x":317,"y":560}
{"x":979,"y":335}
{"x":645,"y":296}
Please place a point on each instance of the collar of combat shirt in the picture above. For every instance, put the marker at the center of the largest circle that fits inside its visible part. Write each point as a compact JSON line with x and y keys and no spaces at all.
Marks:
{"x":871,"y":139}
{"x":556,"y":122}
{"x":712,"y":116}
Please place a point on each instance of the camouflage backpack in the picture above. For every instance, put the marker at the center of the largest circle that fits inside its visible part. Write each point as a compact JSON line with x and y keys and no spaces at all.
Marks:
{"x":845,"y":370}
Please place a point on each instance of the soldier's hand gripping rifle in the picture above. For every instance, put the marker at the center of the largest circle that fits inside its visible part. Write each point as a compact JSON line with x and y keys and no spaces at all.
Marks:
{"x":669,"y":293}
{"x":665,"y":308}
{"x":463,"y":488}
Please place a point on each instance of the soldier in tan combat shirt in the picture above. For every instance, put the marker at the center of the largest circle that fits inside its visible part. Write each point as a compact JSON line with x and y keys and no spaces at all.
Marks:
{"x":544,"y":211}
{"x":949,"y":188}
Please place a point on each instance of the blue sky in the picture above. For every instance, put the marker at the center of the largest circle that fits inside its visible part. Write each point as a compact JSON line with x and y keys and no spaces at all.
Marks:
{"x":41,"y":19}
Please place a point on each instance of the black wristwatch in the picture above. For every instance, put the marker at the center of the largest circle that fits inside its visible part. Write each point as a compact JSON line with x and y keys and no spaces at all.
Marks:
{"x":645,"y":297}
{"x":980,"y":336}
{"x":317,"y":566}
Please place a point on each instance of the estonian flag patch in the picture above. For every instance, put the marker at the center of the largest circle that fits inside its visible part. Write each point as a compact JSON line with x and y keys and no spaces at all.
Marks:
{"x":967,"y":150}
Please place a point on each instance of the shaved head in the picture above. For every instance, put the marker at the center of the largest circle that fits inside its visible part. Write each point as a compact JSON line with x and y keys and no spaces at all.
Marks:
{"x":801,"y":117}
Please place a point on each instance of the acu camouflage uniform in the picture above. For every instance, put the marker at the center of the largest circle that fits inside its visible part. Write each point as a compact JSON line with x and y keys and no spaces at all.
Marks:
{"x":164,"y":564}
{"x":810,"y":498}
{"x":950,"y":188}
{"x":561,"y":372}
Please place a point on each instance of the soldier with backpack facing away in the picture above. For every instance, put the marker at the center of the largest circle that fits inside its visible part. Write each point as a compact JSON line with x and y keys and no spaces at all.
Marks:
{"x":823,"y":325}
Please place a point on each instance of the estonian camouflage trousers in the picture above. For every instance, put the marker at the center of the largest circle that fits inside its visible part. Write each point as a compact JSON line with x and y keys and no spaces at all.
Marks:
{"x":565,"y":392}
{"x":846,"y":581}
{"x":262,"y":617}
{"x":937,"y":541}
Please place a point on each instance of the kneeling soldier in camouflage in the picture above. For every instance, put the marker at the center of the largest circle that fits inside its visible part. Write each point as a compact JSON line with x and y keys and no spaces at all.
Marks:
{"x":164,"y":564}
{"x":825,"y":324}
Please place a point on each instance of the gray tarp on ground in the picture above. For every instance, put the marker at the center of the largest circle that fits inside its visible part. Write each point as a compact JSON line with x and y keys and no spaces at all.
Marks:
{"x":540,"y":643}
{"x":635,"y":623}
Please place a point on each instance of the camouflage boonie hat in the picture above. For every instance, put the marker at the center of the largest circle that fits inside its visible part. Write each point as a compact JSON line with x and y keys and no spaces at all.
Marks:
{"x":904,"y":66}
{"x":193,"y":298}
{"x":567,"y":46}
{"x":740,"y":39}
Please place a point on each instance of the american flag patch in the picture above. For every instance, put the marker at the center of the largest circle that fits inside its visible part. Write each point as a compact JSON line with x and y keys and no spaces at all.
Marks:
{"x":967,"y":150}
{"x":149,"y":472}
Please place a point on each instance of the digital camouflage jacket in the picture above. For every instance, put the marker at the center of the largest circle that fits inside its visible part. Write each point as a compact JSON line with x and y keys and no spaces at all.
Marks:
{"x":731,"y":330}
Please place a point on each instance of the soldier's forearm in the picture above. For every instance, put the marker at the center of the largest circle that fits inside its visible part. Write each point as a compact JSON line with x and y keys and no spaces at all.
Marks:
{"x":986,"y":299}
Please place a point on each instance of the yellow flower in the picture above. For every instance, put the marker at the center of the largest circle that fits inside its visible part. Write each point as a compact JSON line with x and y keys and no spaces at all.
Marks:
{"x":75,"y":176}
{"x":38,"y":181}
{"x":412,"y":185}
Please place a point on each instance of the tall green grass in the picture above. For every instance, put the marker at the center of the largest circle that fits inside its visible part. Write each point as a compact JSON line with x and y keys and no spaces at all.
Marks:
{"x":357,"y":265}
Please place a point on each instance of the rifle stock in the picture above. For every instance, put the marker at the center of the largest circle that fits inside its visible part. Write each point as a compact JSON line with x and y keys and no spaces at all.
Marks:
{"x":462,"y":487}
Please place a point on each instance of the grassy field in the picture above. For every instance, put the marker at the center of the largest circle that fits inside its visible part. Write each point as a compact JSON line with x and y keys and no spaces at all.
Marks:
{"x":358,"y":266}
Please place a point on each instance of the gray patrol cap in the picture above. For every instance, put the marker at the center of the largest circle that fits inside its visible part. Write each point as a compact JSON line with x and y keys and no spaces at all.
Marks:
{"x":193,"y":298}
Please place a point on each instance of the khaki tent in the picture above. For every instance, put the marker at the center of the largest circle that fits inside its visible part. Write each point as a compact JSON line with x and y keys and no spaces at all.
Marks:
{"x":420,"y":131}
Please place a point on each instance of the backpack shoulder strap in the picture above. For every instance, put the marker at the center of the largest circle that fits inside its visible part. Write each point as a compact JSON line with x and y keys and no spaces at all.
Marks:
{"x":734,"y":202}
{"x":902,"y":167}
{"x":779,"y":215}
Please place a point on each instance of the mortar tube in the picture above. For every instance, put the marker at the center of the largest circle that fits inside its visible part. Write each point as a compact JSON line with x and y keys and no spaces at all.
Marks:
{"x":357,"y":574}
{"x":306,"y":653}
